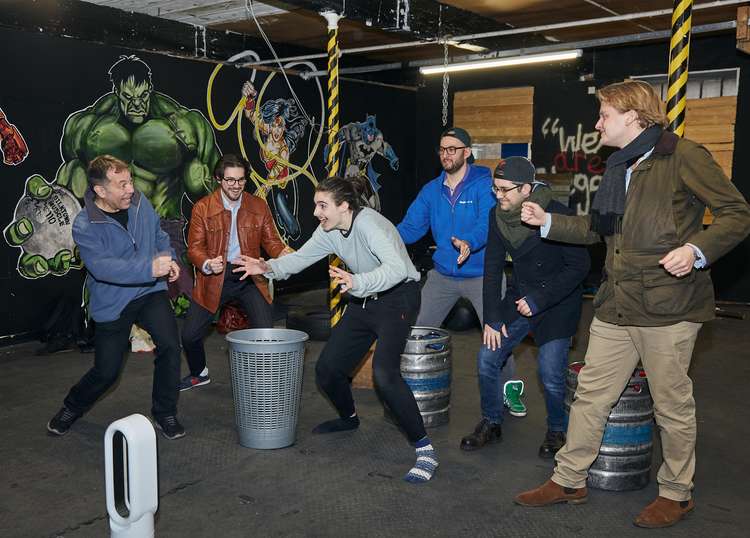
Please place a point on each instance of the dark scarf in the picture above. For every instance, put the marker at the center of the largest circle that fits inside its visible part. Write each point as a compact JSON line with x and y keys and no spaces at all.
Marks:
{"x":609,"y":203}
{"x":509,"y":222}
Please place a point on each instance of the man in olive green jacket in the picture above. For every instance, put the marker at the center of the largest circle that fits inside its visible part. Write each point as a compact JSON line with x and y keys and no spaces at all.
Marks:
{"x":656,"y":292}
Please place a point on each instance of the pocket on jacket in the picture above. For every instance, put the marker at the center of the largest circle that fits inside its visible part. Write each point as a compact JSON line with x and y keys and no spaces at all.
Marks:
{"x":666,"y":294}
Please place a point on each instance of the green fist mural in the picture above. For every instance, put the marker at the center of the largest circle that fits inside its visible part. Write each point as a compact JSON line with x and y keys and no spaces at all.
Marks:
{"x":41,"y":227}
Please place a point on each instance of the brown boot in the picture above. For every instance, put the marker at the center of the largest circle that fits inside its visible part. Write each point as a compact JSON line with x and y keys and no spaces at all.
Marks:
{"x":551,"y":493}
{"x":663,"y":512}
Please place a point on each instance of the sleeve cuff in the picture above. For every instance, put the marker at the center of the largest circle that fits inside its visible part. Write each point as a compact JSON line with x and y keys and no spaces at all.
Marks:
{"x":496,"y":326}
{"x":544,"y":228}
{"x":700,"y":258}
{"x":532,"y":305}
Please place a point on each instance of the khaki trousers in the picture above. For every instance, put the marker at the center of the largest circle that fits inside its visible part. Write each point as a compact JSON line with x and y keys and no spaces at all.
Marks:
{"x":613,"y":353}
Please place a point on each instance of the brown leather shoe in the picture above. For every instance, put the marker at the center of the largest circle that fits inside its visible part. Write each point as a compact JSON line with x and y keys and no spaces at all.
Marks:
{"x":551,"y":493}
{"x":663,"y":512}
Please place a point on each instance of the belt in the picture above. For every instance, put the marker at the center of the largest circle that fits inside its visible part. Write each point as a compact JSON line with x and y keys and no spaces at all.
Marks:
{"x":378,"y":295}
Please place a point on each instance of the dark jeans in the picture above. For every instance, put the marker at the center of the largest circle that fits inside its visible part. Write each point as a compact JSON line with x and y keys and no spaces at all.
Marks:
{"x":553,"y":364}
{"x":387,"y":319}
{"x":154,"y":313}
{"x":259,"y":313}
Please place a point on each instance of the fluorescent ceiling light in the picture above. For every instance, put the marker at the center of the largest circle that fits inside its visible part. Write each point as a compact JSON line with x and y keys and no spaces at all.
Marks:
{"x":503,"y":62}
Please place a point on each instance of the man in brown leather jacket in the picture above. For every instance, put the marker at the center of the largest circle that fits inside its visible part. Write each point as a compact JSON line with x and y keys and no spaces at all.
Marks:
{"x":656,"y":292}
{"x":224,"y":225}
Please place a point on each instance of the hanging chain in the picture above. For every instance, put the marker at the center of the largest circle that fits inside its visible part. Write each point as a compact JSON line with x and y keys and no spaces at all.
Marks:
{"x":446,"y":80}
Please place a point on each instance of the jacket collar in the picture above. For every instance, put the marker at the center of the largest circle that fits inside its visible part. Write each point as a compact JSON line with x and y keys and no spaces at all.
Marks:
{"x":666,"y":144}
{"x":93,"y":211}
{"x":471,"y":175}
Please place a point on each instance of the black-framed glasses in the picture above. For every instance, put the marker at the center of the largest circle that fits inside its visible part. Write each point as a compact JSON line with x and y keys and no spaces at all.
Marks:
{"x":504,"y":190}
{"x":234,"y":180}
{"x":450,"y":150}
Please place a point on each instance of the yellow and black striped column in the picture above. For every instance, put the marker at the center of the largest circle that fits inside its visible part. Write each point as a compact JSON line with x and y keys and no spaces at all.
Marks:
{"x":679,"y":52}
{"x":334,"y":293}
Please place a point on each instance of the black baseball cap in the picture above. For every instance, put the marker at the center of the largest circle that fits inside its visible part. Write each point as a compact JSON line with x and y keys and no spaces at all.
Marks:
{"x":463,"y":136}
{"x":515,"y":169}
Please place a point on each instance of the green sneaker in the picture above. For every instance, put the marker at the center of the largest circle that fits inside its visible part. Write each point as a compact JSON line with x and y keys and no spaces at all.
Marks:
{"x":512,"y":392}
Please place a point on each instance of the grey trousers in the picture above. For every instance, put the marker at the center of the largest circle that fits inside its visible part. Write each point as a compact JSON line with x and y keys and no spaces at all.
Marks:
{"x":441,"y":292}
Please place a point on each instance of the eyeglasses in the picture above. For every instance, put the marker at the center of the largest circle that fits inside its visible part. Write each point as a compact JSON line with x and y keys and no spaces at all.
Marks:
{"x":450,"y":150}
{"x":504,"y":190}
{"x":234,"y":180}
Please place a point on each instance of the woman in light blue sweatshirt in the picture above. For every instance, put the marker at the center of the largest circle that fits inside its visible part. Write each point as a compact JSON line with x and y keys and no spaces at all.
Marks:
{"x":383,"y":305}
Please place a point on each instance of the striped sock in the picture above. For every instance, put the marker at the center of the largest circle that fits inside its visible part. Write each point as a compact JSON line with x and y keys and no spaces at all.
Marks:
{"x":426,"y":464}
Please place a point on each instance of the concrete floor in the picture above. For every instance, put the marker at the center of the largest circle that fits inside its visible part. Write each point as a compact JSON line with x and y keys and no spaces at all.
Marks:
{"x":348,"y":484}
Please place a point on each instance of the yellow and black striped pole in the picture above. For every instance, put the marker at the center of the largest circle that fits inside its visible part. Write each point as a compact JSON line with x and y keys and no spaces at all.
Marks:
{"x":679,"y":53}
{"x":334,"y":293}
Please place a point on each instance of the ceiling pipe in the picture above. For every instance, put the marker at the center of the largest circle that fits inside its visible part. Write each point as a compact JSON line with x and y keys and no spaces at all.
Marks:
{"x":512,"y":31}
{"x":587,"y":44}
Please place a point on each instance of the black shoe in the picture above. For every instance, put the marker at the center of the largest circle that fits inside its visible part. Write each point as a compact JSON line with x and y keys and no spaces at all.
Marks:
{"x":62,"y":421}
{"x":485,"y":432}
{"x":170,"y":427}
{"x":86,"y":346}
{"x":58,"y":345}
{"x":553,"y":442}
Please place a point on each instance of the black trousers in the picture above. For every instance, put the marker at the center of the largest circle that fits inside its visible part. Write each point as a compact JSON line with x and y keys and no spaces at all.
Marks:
{"x":387,"y":319}
{"x":259,"y":313}
{"x":154,"y":313}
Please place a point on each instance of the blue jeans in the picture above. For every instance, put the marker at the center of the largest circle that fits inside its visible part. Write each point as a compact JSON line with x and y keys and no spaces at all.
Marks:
{"x":553,"y":362}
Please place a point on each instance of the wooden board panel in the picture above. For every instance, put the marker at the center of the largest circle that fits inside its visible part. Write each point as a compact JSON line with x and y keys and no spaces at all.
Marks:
{"x":712,"y":102}
{"x":496,"y":115}
{"x":478,"y":116}
{"x":709,"y":133}
{"x":502,"y":96}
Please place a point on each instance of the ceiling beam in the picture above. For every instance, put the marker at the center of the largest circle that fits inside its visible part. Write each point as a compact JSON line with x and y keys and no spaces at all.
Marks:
{"x":421,"y":19}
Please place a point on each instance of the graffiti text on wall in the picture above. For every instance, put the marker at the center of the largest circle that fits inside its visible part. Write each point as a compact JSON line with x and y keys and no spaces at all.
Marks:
{"x":576,"y":153}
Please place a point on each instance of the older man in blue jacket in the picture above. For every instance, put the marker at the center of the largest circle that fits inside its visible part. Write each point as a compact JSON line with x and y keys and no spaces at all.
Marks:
{"x":454,"y":207}
{"x":129,"y":260}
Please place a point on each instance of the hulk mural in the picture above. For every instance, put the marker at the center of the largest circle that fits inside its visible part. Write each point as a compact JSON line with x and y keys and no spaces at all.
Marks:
{"x":171,"y":150}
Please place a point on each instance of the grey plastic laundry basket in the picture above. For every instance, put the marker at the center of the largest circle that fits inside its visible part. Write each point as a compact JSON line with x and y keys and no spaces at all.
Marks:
{"x":266,"y":369}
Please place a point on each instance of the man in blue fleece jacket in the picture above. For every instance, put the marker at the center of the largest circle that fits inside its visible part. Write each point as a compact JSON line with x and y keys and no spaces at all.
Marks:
{"x":455,"y":206}
{"x":129,"y":261}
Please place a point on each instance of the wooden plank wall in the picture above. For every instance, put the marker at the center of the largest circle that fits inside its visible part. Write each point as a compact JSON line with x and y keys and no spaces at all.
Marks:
{"x":497,"y":115}
{"x":710,"y":122}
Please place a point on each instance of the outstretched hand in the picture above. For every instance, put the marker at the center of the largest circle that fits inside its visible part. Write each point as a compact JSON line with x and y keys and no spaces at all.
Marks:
{"x":250,"y":266}
{"x":492,"y":338}
{"x":341,"y":278}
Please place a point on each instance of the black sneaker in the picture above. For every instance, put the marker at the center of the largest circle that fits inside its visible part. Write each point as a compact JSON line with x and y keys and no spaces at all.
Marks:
{"x":485,"y":432}
{"x":553,"y":441}
{"x":62,"y":421}
{"x":170,"y":427}
{"x":57,"y":345}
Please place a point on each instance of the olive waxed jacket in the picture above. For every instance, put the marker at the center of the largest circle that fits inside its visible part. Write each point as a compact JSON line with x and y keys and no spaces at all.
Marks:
{"x":664,"y":207}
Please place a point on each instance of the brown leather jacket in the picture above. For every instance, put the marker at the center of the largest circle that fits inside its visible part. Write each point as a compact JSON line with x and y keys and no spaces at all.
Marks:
{"x":208,"y":237}
{"x":664,"y":207}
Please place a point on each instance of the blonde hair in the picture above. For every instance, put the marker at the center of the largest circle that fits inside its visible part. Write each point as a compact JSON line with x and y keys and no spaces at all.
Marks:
{"x":98,"y":168}
{"x":638,"y":96}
